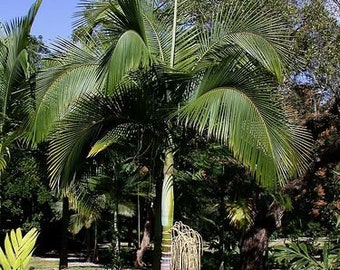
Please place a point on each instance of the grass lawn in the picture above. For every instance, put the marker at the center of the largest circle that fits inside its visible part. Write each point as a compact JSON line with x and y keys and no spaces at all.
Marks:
{"x":38,"y":263}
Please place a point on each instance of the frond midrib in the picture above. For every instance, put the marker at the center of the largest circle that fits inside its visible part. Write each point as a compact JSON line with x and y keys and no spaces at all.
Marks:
{"x":157,"y":36}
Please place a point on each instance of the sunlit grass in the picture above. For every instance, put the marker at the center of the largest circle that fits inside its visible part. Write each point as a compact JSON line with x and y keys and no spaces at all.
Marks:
{"x":38,"y":263}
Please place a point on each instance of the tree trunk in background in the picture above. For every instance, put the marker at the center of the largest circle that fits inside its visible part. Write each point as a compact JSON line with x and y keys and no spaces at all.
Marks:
{"x":95,"y":244}
{"x":146,"y":238}
{"x":221,"y":220}
{"x":254,"y":243}
{"x":88,"y":245}
{"x":63,"y":262}
{"x":116,"y":232}
{"x":253,"y":247}
{"x":144,"y":245}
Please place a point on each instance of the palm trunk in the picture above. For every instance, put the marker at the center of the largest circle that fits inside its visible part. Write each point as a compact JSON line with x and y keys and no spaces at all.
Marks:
{"x":63,"y":262}
{"x":167,"y":210}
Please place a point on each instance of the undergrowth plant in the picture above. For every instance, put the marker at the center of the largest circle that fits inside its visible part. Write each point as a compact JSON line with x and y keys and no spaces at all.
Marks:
{"x":307,"y":256}
{"x":18,"y":249}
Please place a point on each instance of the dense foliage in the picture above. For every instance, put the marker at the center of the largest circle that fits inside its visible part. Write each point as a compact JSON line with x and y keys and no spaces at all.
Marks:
{"x":112,"y":195}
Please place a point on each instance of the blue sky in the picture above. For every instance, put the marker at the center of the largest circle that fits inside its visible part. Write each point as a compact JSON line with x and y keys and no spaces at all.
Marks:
{"x":53,"y":20}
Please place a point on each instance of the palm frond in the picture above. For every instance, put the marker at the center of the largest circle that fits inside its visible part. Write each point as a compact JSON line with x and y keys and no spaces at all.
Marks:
{"x":95,"y":122}
{"x":14,"y":64}
{"x":17,"y":32}
{"x":129,"y":53}
{"x":85,"y":203}
{"x":90,"y":14}
{"x":72,"y":73}
{"x":115,"y":135}
{"x":186,"y":48}
{"x":77,"y":222}
{"x":249,"y":26}
{"x":123,"y":25}
{"x":235,"y":104}
{"x":158,"y":36}
{"x":241,"y":214}
{"x":127,"y":15}
{"x":3,"y":164}
{"x":73,"y":136}
{"x":300,"y":255}
{"x":126,"y":209}
{"x":260,"y":49}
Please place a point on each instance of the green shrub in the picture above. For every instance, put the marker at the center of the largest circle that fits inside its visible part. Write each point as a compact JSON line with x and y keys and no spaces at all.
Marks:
{"x":302,"y":255}
{"x":18,"y":249}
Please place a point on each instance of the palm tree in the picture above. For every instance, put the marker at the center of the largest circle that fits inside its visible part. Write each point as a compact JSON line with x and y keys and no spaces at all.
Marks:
{"x":87,"y":209}
{"x":110,"y":189}
{"x":16,"y":70}
{"x":148,"y":75}
{"x":117,"y":184}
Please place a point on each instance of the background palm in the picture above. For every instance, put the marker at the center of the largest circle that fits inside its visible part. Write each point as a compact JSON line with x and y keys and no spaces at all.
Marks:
{"x":144,"y":78}
{"x":109,"y":191}
{"x":16,"y":75}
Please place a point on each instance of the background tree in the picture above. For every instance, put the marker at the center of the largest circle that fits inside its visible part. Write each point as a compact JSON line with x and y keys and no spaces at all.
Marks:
{"x":26,"y":198}
{"x":314,"y":97}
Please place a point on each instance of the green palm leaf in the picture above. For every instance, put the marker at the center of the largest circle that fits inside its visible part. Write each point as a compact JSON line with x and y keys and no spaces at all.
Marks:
{"x":129,"y":53}
{"x":302,"y":256}
{"x":241,"y":214}
{"x":74,"y":133}
{"x":260,"y":49}
{"x":15,"y":73}
{"x":235,"y":104}
{"x":127,"y":15}
{"x":128,"y":49}
{"x":85,"y":203}
{"x":113,"y":136}
{"x":14,"y":67}
{"x":90,"y":14}
{"x":71,"y":73}
{"x":158,"y":37}
{"x":186,"y":48}
{"x":94,"y":123}
{"x":249,"y":26}
{"x":78,"y":222}
{"x":126,"y":209}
